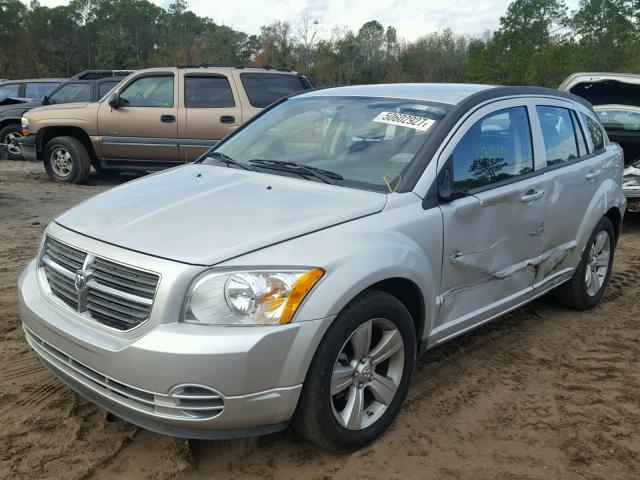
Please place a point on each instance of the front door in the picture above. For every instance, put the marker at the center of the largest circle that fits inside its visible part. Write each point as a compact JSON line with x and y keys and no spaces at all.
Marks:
{"x":145,"y":125}
{"x":492,"y":233}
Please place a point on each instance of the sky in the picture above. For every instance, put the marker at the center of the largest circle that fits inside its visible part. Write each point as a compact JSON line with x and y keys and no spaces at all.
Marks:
{"x":411,"y":18}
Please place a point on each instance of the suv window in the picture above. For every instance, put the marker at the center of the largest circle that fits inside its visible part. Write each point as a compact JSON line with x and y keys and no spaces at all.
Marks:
{"x":558,"y":134}
{"x":106,"y":87}
{"x":10,"y":90}
{"x":265,"y":88}
{"x":149,"y":92}
{"x":72,"y":92}
{"x":597,"y":135}
{"x":39,"y":89}
{"x":497,"y":147}
{"x":208,"y":92}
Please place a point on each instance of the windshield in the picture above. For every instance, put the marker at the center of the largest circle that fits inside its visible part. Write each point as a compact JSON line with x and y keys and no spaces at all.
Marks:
{"x":353,"y":141}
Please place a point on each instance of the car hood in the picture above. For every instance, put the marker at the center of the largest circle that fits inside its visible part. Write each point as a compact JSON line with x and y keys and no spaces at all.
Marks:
{"x":203,"y":214}
{"x":60,"y":106}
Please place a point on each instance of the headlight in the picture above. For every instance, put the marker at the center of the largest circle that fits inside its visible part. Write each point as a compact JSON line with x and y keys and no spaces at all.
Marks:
{"x":25,"y":126}
{"x":251,"y":297}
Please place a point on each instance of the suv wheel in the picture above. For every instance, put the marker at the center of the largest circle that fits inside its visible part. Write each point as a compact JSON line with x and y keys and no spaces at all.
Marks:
{"x":360,"y":374}
{"x":7,"y":135}
{"x":66,"y":160}
{"x":589,"y":282}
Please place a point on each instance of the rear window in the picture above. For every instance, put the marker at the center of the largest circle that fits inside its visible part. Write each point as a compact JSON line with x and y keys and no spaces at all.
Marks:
{"x":620,"y":120}
{"x":208,"y":92}
{"x":40,"y":89}
{"x":265,"y":88}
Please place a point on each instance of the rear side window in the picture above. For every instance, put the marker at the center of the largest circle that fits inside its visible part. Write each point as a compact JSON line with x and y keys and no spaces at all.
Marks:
{"x":72,"y":92}
{"x":496,"y":148}
{"x":594,"y":129}
{"x":208,"y":92}
{"x":10,"y":90}
{"x":40,"y":89}
{"x":558,"y":133}
{"x":106,"y":87}
{"x":265,"y":88}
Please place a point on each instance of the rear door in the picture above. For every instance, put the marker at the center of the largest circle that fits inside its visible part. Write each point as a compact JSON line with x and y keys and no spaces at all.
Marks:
{"x":577,"y":161}
{"x":145,"y":126}
{"x":492,"y":235}
{"x":210,"y":111}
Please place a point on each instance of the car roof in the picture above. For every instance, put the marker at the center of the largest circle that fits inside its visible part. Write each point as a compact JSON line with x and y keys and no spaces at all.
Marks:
{"x":34,"y":80}
{"x":450,"y":93}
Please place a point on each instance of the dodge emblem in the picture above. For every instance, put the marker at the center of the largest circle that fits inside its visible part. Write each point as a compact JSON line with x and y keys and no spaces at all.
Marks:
{"x":82,"y":277}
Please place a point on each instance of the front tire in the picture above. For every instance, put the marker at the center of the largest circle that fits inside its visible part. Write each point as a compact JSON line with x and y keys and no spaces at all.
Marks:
{"x":7,"y":135}
{"x":360,"y":374}
{"x":66,"y":160}
{"x":589,"y":282}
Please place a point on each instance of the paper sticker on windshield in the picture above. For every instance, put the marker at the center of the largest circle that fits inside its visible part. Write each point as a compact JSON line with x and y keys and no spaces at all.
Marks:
{"x":410,"y":121}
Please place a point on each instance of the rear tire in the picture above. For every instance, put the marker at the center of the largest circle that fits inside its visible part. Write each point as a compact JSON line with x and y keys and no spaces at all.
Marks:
{"x":589,"y":282}
{"x":66,"y":160}
{"x":7,"y":134}
{"x":350,"y":368}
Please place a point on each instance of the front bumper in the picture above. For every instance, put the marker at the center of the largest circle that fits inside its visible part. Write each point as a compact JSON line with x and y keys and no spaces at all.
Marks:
{"x":28,"y":147}
{"x":254,"y":373}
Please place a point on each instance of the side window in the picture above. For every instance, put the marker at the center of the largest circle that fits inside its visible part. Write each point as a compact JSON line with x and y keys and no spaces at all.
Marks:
{"x":594,"y":129}
{"x":582,"y":141}
{"x":208,"y":92}
{"x":496,"y":148}
{"x":149,"y":92}
{"x":106,"y":87}
{"x":39,"y":89}
{"x":558,"y":134}
{"x":10,"y":90}
{"x":265,"y":88}
{"x":72,"y":92}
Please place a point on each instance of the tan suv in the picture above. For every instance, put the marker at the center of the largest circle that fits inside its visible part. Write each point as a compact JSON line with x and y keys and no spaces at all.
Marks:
{"x":154,"y":119}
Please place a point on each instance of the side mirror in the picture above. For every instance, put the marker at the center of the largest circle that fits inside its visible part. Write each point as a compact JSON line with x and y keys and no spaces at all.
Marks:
{"x":446,"y":192}
{"x":114,"y":100}
{"x":45,"y":100}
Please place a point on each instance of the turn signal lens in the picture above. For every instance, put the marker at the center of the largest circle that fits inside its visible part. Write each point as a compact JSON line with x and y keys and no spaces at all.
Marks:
{"x":299,"y":292}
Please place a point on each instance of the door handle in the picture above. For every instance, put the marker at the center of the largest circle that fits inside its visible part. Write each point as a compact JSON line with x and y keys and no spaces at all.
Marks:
{"x":532,"y":195}
{"x":227,"y":119}
{"x":593,"y":174}
{"x":167,"y":118}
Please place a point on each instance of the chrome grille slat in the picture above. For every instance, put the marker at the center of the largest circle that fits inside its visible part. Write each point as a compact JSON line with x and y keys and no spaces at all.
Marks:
{"x":115,"y":295}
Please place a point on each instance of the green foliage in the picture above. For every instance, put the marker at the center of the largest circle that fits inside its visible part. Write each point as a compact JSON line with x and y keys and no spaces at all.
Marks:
{"x":539,"y":42}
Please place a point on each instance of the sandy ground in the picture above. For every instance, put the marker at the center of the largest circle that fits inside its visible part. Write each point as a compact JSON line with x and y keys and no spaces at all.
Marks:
{"x":544,"y":393}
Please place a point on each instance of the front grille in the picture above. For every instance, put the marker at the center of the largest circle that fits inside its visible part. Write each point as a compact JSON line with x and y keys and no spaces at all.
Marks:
{"x":112,"y":294}
{"x":193,"y":402}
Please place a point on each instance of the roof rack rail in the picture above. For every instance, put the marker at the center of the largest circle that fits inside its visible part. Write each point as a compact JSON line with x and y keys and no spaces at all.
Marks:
{"x":240,"y":67}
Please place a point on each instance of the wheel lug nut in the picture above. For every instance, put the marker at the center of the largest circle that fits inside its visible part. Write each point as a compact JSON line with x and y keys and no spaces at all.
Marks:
{"x":360,"y":385}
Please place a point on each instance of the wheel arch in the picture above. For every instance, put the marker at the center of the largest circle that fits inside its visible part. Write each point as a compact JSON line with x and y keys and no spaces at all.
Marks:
{"x":48,"y":133}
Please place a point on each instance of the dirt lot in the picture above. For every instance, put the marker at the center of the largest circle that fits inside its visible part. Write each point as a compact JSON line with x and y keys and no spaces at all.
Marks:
{"x":543,"y":393}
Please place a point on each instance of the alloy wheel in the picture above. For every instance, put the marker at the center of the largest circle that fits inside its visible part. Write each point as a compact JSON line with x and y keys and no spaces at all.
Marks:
{"x":597,"y":263}
{"x":8,"y":139}
{"x":61,"y":161}
{"x":367,"y":374}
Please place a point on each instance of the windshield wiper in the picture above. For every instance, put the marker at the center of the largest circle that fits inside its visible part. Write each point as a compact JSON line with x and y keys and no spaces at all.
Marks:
{"x":224,"y":158}
{"x":326,"y":176}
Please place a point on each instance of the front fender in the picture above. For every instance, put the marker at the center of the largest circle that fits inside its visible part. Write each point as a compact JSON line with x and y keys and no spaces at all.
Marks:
{"x":398,"y":243}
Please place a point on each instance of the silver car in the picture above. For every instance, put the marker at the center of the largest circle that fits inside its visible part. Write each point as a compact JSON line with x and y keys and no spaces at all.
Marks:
{"x":295,"y":272}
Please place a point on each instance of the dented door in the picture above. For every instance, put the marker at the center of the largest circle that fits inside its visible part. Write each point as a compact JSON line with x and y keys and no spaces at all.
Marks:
{"x":493,"y":234}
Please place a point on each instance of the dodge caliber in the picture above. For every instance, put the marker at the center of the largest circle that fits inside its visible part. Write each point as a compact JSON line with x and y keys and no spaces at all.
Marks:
{"x":294,"y":273}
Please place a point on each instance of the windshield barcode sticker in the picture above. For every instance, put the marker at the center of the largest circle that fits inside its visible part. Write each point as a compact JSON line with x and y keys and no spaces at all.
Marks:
{"x":402,"y":120}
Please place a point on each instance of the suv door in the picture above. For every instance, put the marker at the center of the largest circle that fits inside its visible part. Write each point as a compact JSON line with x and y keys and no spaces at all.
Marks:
{"x":577,"y":161}
{"x":144,"y":126}
{"x":492,"y":229}
{"x":211,"y":111}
